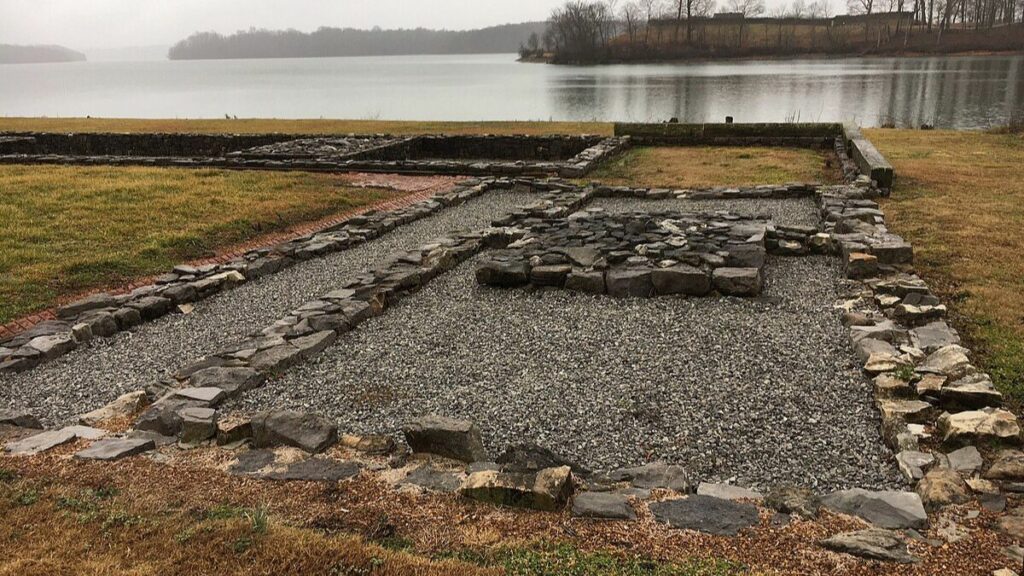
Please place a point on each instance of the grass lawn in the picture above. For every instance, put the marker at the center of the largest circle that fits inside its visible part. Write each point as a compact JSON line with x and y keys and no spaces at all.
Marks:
{"x":959,"y":198}
{"x":708,"y":166}
{"x":261,"y":126}
{"x":64,"y":230}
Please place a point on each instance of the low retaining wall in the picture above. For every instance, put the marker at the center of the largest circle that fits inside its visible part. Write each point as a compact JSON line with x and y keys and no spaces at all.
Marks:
{"x":868,"y":159}
{"x":109,"y":144}
{"x":799,"y":135}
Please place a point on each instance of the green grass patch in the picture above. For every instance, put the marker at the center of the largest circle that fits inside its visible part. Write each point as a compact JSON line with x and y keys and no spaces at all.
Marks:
{"x":64,"y":230}
{"x":568,"y":560}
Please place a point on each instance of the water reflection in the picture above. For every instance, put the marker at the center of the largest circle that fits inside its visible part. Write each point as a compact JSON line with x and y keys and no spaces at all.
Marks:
{"x":955,"y":92}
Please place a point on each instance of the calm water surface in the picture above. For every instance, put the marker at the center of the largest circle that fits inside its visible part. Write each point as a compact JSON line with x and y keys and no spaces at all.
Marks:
{"x":951,"y":92}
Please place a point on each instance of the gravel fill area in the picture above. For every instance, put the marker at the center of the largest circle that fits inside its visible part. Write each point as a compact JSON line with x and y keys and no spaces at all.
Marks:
{"x":95,"y":374}
{"x":787,"y":211}
{"x":755,"y":391}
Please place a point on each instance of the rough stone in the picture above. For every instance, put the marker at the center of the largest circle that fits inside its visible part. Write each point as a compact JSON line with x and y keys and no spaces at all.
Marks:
{"x":873,"y":544}
{"x":970,"y":392}
{"x":429,"y":478}
{"x":602,"y":505}
{"x":738,"y":281}
{"x":503,"y":274}
{"x":54,"y":345}
{"x":197,"y":425}
{"x":163,"y":417}
{"x":590,"y":281}
{"x":94,"y":302}
{"x":728,"y":492}
{"x":374,"y":444}
{"x":530,"y":457}
{"x":913,"y":464}
{"x":210,"y":396}
{"x":949,"y":361}
{"x":232,"y":380}
{"x":933,"y":336}
{"x":51,"y":439}
{"x":550,"y":275}
{"x":681,"y":279}
{"x":794,"y":500}
{"x":628,"y":283}
{"x":544,"y":490}
{"x":885,"y":509}
{"x":1008,"y":465}
{"x":654,"y":475}
{"x":124,"y":406}
{"x":979,"y":425}
{"x":706,"y":514}
{"x":19,"y":418}
{"x":116,"y":449}
{"x":860,"y":265}
{"x":942,"y":487}
{"x":308,"y":432}
{"x":458,"y":439}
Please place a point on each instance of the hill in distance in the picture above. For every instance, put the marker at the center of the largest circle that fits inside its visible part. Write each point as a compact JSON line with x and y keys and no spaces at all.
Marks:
{"x":331,"y":42}
{"x":13,"y":54}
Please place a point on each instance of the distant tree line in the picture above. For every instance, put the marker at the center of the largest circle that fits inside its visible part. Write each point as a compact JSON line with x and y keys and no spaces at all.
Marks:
{"x":604,"y":30}
{"x":12,"y":54}
{"x":329,"y":42}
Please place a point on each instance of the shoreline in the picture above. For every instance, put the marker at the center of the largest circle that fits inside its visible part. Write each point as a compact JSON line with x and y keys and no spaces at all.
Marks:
{"x":777,"y":57}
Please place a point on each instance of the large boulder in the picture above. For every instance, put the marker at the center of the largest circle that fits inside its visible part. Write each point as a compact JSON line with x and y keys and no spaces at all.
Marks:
{"x":448,"y":437}
{"x":124,"y":406}
{"x":885,"y":509}
{"x":309,"y":432}
{"x":872,"y":544}
{"x":545,"y":490}
{"x":950,"y":361}
{"x":1008,"y":466}
{"x":970,"y":392}
{"x":706,"y":514}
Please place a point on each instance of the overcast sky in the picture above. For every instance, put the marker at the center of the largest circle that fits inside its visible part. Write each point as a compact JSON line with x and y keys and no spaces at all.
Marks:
{"x":85,"y":24}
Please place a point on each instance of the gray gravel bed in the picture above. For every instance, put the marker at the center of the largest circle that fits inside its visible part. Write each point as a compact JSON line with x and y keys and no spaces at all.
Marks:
{"x":95,"y":374}
{"x":788,"y":211}
{"x":754,"y":391}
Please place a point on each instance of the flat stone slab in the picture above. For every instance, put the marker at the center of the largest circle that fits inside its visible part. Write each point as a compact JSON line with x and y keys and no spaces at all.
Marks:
{"x":20,"y":419}
{"x":434,"y":480}
{"x":51,"y":439}
{"x":728,"y":492}
{"x":873,"y":544}
{"x":603,"y":505}
{"x":116,"y":449}
{"x":654,"y":475}
{"x":706,"y":514}
{"x":885,"y":508}
{"x":208,"y":395}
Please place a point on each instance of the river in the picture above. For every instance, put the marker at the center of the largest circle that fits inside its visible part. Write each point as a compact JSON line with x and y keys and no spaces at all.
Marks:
{"x":948,"y":92}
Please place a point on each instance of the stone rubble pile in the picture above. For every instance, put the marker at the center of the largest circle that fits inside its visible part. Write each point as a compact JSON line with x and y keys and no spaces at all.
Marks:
{"x":323,"y":147}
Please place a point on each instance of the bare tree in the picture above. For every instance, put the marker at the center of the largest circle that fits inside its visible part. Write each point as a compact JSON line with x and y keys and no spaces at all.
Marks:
{"x":631,"y":14}
{"x":861,"y":6}
{"x":748,"y":8}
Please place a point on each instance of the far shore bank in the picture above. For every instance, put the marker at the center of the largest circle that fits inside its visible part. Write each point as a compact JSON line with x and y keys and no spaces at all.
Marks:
{"x":704,"y":58}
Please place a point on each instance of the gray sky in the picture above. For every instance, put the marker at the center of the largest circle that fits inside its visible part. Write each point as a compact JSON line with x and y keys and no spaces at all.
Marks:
{"x":88,"y":24}
{"x":83,"y":24}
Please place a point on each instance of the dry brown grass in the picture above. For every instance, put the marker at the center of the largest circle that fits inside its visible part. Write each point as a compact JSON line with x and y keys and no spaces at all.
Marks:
{"x":68,"y":229}
{"x":139,"y":517}
{"x":959,"y":198}
{"x":709,"y":166}
{"x":261,"y":126}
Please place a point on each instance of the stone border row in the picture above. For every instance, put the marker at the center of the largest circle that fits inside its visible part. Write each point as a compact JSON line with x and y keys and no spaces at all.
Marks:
{"x":578,"y":166}
{"x":103,"y":315}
